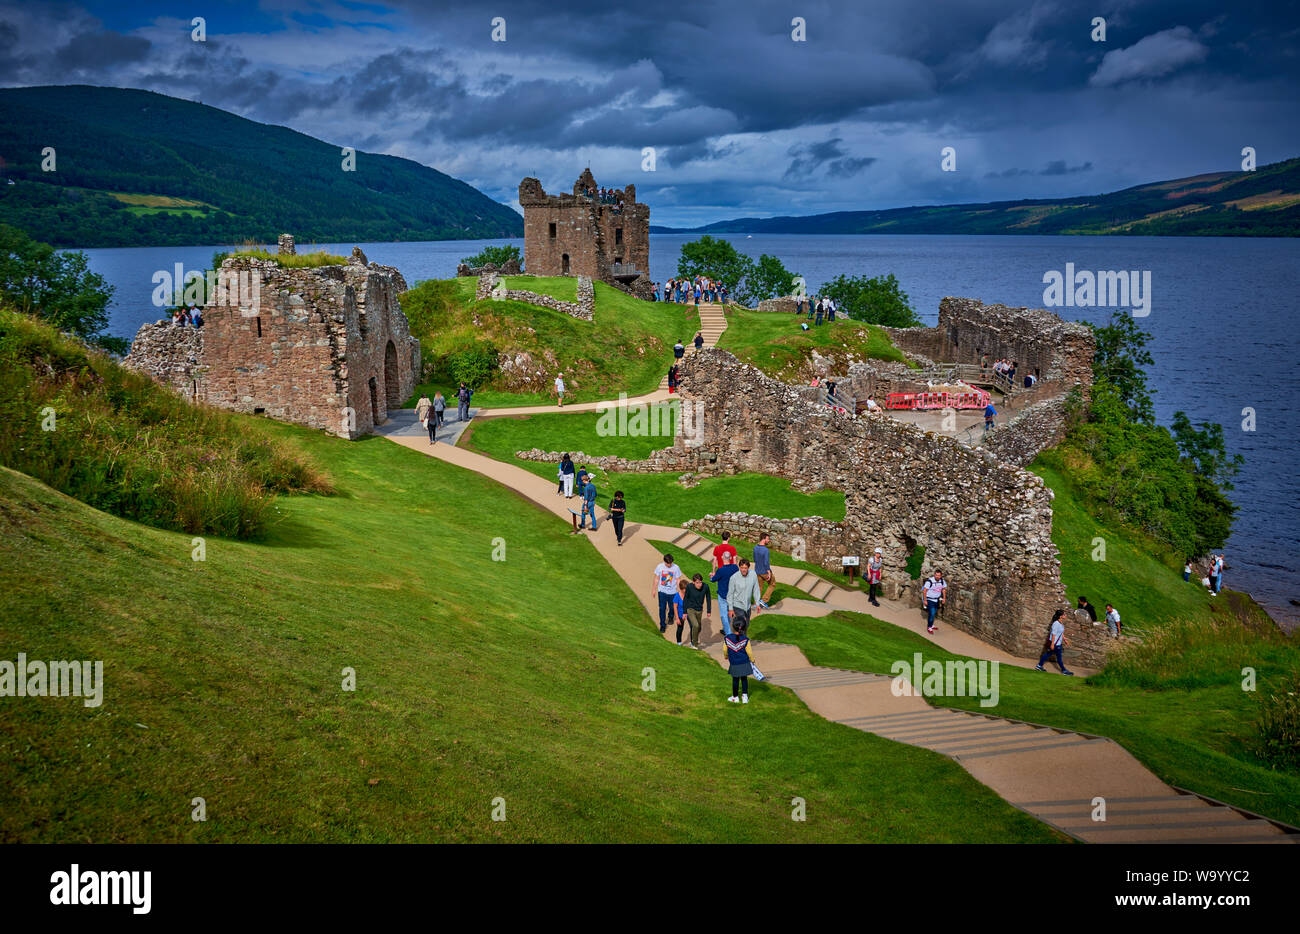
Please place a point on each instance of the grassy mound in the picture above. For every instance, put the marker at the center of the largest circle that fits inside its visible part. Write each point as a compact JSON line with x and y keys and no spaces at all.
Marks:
{"x":626,"y":348}
{"x":1193,"y":731}
{"x":776,"y":345}
{"x":651,"y":497}
{"x":312,"y":260}
{"x":113,"y":438}
{"x":476,"y":679}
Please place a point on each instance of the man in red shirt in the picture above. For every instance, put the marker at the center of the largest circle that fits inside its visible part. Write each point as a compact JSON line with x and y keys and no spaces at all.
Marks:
{"x":726,"y":548}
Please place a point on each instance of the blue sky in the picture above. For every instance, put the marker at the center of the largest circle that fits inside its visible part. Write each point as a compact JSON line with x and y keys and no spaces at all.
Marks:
{"x":743,"y":119}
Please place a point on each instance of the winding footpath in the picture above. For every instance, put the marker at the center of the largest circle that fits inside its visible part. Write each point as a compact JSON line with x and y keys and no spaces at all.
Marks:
{"x":1053,"y":774}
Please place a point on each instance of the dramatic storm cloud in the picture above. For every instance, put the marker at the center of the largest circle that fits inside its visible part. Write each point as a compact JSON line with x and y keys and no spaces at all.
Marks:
{"x":745,"y":107}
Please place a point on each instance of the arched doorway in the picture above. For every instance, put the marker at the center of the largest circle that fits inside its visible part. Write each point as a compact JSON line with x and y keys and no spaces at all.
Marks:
{"x":392,"y":379}
{"x":564,"y":264}
{"x":374,"y":401}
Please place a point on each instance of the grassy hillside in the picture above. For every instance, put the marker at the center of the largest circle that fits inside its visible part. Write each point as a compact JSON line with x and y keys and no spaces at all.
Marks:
{"x":475,"y":680}
{"x":1263,"y":203}
{"x":137,"y":168}
{"x":1198,"y":735}
{"x":626,"y":348}
{"x":113,"y":438}
{"x":780,"y":348}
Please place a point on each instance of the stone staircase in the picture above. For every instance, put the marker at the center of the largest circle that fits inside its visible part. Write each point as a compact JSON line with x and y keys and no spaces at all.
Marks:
{"x":712,"y":323}
{"x":816,"y":587}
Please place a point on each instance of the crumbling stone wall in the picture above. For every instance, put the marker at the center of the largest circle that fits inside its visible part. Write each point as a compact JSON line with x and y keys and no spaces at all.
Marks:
{"x":173,"y":356}
{"x":572,"y":234}
{"x":1039,"y":426}
{"x":327,"y":347}
{"x":489,"y":286}
{"x":509,"y":268}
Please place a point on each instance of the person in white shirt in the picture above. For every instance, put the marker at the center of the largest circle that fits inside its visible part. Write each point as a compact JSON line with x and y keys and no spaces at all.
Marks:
{"x":1056,"y":643}
{"x":559,"y":389}
{"x":666,"y":577}
{"x":934,"y":593}
{"x":1112,"y":621}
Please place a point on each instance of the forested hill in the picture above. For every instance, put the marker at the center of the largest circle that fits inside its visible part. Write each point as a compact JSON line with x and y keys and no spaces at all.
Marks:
{"x":135,"y":168}
{"x":1262,"y":203}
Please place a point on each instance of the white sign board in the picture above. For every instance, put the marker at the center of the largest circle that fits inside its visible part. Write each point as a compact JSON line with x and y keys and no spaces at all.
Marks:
{"x":849,"y":561}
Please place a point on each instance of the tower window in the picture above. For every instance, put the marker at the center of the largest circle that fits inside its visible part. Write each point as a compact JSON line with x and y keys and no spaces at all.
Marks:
{"x":552,"y":231}
{"x":618,"y":236}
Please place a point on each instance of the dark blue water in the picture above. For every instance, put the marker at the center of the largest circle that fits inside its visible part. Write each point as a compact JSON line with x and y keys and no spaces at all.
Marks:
{"x":1222,"y":322}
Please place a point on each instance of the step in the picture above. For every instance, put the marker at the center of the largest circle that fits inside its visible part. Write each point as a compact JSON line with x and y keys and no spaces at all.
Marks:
{"x":682,"y":536}
{"x":805,"y":581}
{"x":821,"y":588}
{"x":703,"y":548}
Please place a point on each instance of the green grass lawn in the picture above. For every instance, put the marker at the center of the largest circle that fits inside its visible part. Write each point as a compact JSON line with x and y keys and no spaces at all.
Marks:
{"x":476,"y":679}
{"x":626,"y":348}
{"x":1138,"y":576}
{"x":692,"y":565}
{"x":775,"y":343}
{"x":1197,"y":739}
{"x":651,"y":497}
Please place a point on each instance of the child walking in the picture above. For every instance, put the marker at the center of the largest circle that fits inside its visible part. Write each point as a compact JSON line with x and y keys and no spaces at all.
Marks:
{"x":742,"y":662}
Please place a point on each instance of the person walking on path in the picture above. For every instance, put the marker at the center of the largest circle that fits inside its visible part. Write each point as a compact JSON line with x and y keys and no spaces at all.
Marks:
{"x":934,"y":593}
{"x":672,"y":378}
{"x":875,"y":568}
{"x":742,"y":594}
{"x":588,"y":504}
{"x":763,"y":567}
{"x":989,"y":414}
{"x":1112,"y":621}
{"x":422,"y":410}
{"x":439,"y":408}
{"x":1056,"y":643}
{"x":666,"y":577}
{"x":679,"y":350}
{"x":566,"y":476}
{"x":698,"y":602}
{"x":699,"y":340}
{"x":462,"y":403}
{"x":618,"y":513}
{"x":722,"y":577}
{"x":725,"y":550}
{"x":1088,"y":608}
{"x":740,"y":663}
{"x":559,"y":390}
{"x":679,"y":608}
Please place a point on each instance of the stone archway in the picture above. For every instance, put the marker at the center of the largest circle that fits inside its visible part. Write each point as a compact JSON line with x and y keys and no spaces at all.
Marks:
{"x":564,"y":264}
{"x":374,"y":401}
{"x":392,"y":379}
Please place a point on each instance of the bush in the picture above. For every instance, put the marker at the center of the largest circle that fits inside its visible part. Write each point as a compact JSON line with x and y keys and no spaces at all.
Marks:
{"x":1186,"y":655}
{"x":1279,"y":724}
{"x":117,"y":441}
{"x":876,"y":300}
{"x":473,"y":366}
{"x":496,"y":255}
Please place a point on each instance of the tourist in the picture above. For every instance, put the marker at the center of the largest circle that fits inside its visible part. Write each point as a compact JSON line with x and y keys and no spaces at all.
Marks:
{"x":679,"y":608}
{"x":763,"y":567}
{"x":742,"y":594}
{"x":699,"y":340}
{"x":1112,"y":621}
{"x":672,"y":379}
{"x":566,"y":476}
{"x":559,"y":390}
{"x":679,"y":350}
{"x":422,"y":410}
{"x":722,"y":577}
{"x":740,"y":664}
{"x":1216,"y":575}
{"x":1056,"y":643}
{"x":875,"y":568}
{"x":666,"y":577}
{"x":830,"y":391}
{"x":1088,"y":608}
{"x":177,"y":319}
{"x":990,"y":413}
{"x":698,"y":602}
{"x":697,"y":295}
{"x":618,"y":513}
{"x":724,"y":553}
{"x":1187,"y":571}
{"x":934,"y":593}
{"x":830,"y":309}
{"x":588,"y":502}
{"x":196,"y":316}
{"x":462,"y":403}
{"x":821,"y":310}
{"x":439,"y":408}
{"x":872,"y":404}
{"x":798,"y":307}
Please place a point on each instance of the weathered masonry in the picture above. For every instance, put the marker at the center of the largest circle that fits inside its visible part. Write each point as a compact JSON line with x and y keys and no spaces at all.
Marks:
{"x":327,"y":347}
{"x":580,"y":234}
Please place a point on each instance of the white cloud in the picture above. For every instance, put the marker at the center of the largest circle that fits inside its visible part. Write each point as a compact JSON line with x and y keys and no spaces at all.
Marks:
{"x":1151,"y":57}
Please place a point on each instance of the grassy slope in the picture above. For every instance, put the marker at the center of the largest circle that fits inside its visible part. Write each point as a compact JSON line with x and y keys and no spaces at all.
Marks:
{"x":627,"y":348}
{"x":1190,"y":738}
{"x":776,"y":345}
{"x":651,"y":497}
{"x":476,"y":679}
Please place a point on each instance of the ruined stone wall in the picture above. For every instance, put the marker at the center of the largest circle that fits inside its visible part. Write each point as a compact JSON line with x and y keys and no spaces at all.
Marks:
{"x":173,"y":356}
{"x":987,"y":525}
{"x":1039,"y":426}
{"x":327,"y":347}
{"x":489,"y":286}
{"x":509,"y":268}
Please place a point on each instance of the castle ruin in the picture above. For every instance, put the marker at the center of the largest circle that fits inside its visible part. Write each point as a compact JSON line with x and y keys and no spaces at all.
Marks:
{"x":327,"y":346}
{"x":580,"y":234}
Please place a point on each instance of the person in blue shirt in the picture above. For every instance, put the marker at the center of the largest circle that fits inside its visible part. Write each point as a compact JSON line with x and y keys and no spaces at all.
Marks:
{"x":989,"y":414}
{"x":763,"y":567}
{"x":721,"y":577}
{"x":588,"y":503}
{"x":740,"y":662}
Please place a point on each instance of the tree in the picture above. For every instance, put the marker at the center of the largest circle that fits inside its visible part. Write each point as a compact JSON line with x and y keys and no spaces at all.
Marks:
{"x":56,"y":286}
{"x":1205,"y":451}
{"x":1119,"y":359}
{"x":716,"y":259}
{"x":767,"y":279}
{"x":875,"y":300}
{"x":496,"y":255}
